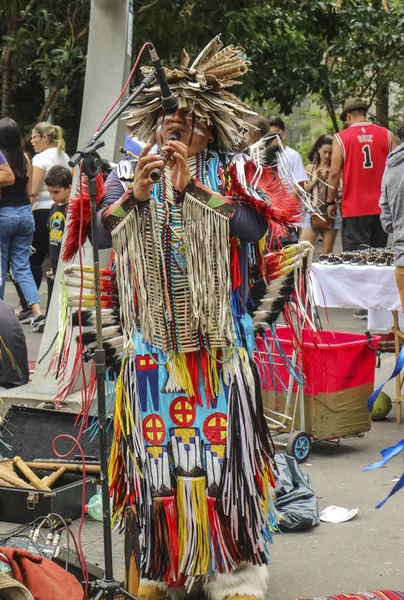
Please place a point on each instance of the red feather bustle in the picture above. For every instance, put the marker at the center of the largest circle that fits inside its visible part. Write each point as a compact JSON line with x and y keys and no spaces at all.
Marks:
{"x":281,"y":209}
{"x":79,"y":208}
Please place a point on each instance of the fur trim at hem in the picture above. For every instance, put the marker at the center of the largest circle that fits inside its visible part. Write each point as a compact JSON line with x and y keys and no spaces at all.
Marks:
{"x":245,"y":581}
{"x":159,"y":585}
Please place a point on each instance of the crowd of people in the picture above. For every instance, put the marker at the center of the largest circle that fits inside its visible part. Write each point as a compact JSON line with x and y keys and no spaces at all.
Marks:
{"x":198,"y":467}
{"x":30,"y":226}
{"x":342,"y":180}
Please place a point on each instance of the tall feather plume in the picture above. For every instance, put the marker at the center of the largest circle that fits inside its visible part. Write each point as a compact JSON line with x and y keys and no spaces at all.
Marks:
{"x":231,"y":70}
{"x":184,"y":61}
{"x":222,"y":58}
{"x":206,"y":54}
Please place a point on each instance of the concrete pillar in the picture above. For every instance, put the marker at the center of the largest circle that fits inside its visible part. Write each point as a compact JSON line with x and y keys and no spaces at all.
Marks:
{"x":108,"y":67}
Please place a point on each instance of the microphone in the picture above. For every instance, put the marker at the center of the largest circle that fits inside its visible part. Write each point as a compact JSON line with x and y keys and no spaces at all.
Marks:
{"x":155,"y":174}
{"x":168,"y":100}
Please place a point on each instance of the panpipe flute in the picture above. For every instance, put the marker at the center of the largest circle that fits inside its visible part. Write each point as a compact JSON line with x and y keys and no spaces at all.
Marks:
{"x":70,"y":467}
{"x":30,"y":475}
{"x":49,"y":480}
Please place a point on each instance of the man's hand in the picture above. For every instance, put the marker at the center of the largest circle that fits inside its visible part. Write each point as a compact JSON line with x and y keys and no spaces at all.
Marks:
{"x":178,"y":163}
{"x":331,"y":210}
{"x":142,"y":184}
{"x":337,"y":162}
{"x":322,"y":173}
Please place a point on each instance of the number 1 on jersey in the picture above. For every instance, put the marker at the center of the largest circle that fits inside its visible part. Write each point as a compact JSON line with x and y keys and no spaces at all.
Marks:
{"x":367,"y":162}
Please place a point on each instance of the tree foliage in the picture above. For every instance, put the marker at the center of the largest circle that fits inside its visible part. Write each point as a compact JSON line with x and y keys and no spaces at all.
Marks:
{"x":43,"y":58}
{"x":328,"y":48}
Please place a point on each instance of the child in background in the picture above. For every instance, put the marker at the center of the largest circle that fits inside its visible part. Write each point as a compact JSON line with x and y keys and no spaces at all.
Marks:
{"x":59,"y":184}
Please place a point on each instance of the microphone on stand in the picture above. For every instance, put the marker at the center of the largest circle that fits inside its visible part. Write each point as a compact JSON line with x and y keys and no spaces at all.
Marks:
{"x":169,"y":104}
{"x":155,"y":174}
{"x":168,"y":100}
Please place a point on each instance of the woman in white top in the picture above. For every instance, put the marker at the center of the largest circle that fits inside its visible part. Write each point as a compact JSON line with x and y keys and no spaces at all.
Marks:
{"x":49,"y":145}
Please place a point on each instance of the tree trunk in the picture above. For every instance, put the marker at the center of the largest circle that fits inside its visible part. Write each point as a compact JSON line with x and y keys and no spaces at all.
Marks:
{"x":50,"y":101}
{"x":382,"y":105}
{"x":6,"y":72}
{"x":331,"y":109}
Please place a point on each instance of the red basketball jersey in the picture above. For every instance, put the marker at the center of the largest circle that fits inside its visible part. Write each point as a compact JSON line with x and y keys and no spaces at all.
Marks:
{"x":365,"y":147}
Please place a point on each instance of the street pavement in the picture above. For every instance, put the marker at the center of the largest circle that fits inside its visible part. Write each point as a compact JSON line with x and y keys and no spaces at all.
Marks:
{"x":362,"y":554}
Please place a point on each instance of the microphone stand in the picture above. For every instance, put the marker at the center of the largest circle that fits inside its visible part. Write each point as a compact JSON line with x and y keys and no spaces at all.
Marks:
{"x":91,"y":164}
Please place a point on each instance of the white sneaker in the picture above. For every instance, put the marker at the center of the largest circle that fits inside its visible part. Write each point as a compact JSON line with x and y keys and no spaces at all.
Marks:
{"x":38,"y":323}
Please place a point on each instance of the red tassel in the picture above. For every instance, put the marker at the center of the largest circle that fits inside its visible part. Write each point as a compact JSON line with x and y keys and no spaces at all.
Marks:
{"x":224,"y":549}
{"x":170,"y":510}
{"x":204,"y":362}
{"x":235,"y":264}
{"x":193,"y":370}
{"x":79,"y":210}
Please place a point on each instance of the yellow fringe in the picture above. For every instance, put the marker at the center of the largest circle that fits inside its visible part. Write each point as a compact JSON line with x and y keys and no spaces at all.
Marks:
{"x":122,"y":404}
{"x":262,"y":244}
{"x":245,"y":359}
{"x":214,"y":380}
{"x":197,"y":509}
{"x":178,"y":366}
{"x":266,"y":502}
{"x":10,"y":356}
{"x":63,"y":312}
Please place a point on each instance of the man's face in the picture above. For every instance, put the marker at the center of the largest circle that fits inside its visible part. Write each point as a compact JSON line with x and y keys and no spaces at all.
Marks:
{"x":193,"y":132}
{"x":277,"y":132}
{"x":59,"y":195}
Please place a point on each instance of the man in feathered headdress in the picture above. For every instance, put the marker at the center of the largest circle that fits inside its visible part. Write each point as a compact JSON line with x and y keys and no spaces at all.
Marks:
{"x":191,"y":449}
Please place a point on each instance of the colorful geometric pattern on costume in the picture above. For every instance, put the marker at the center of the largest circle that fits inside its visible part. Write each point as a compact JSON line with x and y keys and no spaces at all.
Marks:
{"x":191,"y":447}
{"x":210,"y":482}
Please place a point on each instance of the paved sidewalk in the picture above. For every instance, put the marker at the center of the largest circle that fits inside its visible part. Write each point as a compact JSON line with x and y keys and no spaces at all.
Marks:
{"x":365,"y":553}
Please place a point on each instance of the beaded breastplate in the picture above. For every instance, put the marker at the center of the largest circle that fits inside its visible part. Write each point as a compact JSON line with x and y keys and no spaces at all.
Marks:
{"x":173,"y":269}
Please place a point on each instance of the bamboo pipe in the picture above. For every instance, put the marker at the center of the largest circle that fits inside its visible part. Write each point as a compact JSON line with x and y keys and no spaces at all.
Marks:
{"x":30,"y":475}
{"x":9,"y":476}
{"x":4,"y":483}
{"x":70,"y":467}
{"x":49,"y":480}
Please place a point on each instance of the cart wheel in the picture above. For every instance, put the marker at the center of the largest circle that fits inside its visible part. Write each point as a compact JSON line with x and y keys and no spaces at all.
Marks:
{"x":299,"y":446}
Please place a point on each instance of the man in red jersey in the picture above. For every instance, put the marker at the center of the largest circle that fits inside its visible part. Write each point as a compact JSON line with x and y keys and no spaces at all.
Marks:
{"x":359,"y":152}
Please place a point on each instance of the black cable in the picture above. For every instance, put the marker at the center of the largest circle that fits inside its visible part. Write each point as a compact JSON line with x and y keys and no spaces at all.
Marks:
{"x":68,"y":538}
{"x":49,"y":349}
{"x":32,"y":542}
{"x":18,"y":532}
{"x":13,"y":532}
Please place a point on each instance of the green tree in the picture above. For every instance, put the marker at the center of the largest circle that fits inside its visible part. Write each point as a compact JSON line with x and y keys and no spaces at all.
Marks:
{"x":364,"y":53}
{"x":326,"y":48}
{"x":43,"y":58}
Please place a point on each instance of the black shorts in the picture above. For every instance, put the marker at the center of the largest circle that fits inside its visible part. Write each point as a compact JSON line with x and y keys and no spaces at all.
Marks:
{"x":362,"y":230}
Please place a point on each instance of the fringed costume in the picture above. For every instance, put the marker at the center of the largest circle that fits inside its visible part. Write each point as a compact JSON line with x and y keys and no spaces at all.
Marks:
{"x":191,"y":449}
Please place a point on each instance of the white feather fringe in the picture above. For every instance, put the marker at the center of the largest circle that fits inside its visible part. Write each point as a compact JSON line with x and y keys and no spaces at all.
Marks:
{"x":245,"y":581}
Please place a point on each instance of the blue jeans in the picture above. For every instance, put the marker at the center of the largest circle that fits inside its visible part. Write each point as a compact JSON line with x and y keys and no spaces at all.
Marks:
{"x":16,"y":233}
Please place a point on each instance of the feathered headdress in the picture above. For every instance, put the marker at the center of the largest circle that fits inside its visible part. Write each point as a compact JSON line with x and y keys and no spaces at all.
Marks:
{"x":201,"y":90}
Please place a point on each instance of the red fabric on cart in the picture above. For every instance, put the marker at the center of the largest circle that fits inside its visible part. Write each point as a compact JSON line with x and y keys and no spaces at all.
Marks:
{"x":42,"y":577}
